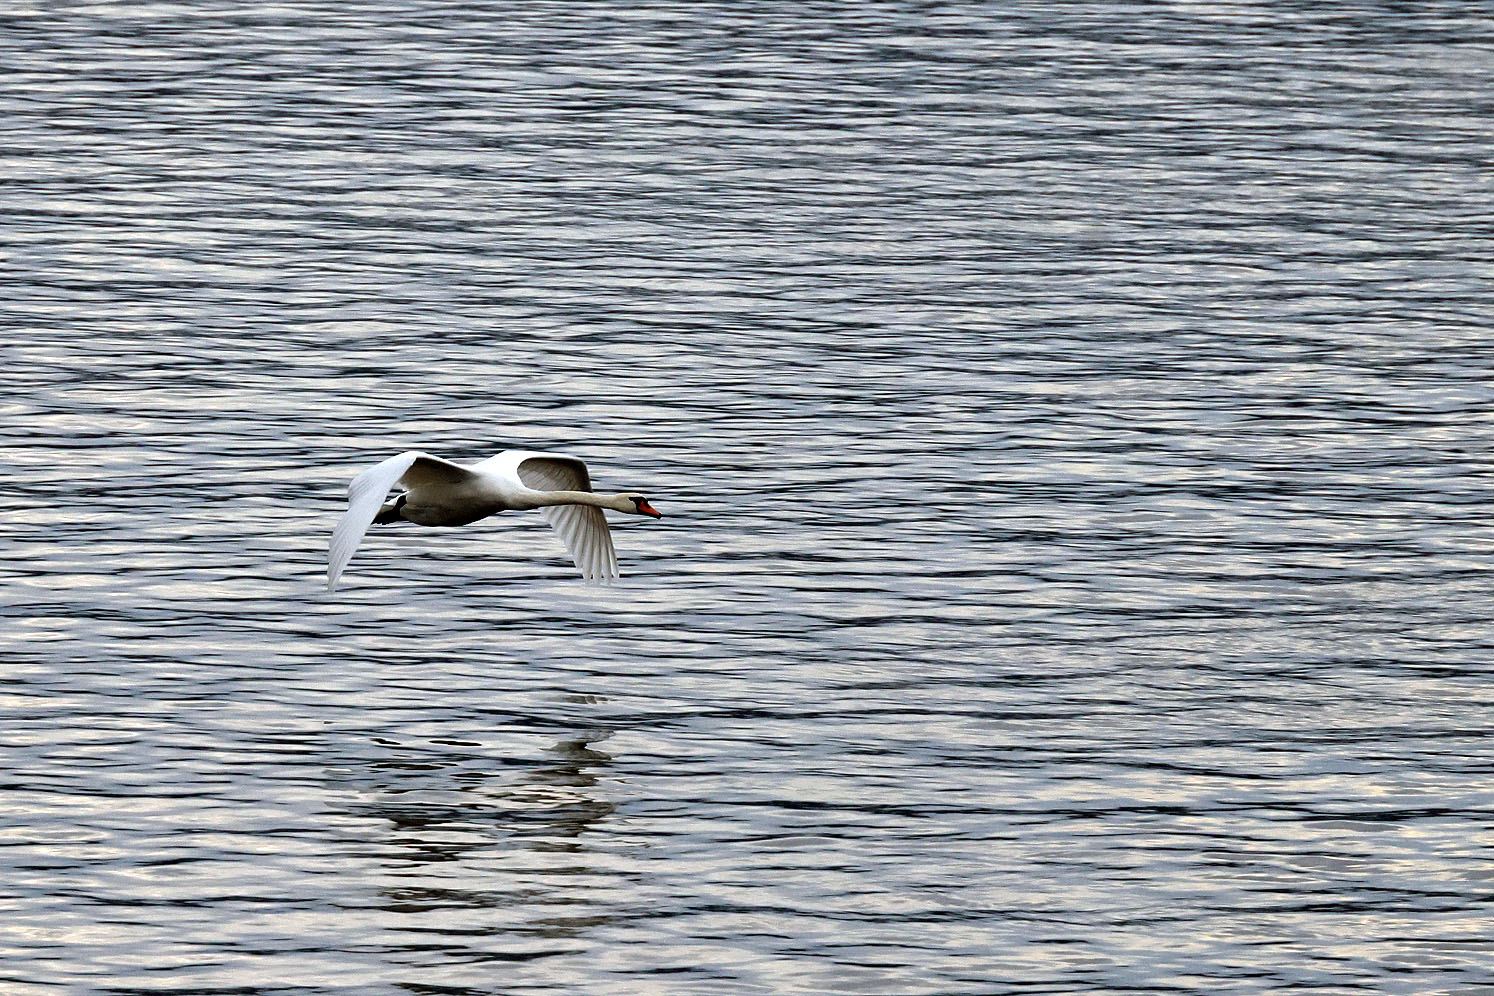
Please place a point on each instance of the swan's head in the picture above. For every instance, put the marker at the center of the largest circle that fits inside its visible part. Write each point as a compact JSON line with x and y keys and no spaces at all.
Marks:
{"x":638,"y":505}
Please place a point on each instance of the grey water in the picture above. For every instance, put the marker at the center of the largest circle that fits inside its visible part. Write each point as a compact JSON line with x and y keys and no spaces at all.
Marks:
{"x":1073,"y":428}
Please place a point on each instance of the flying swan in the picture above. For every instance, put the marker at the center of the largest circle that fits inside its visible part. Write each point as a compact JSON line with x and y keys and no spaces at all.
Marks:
{"x":441,"y":493}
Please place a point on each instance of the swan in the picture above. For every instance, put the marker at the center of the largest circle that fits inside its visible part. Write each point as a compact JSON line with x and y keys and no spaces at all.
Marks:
{"x":441,"y":493}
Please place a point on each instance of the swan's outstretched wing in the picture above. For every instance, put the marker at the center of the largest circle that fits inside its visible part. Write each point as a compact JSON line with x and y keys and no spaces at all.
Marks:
{"x":583,"y":528}
{"x":366,"y":496}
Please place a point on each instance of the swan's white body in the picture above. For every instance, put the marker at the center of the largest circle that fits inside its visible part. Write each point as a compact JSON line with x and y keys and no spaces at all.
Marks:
{"x":441,"y":493}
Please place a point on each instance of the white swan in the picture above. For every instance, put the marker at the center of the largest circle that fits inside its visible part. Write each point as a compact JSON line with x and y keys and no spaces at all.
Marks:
{"x":441,"y":493}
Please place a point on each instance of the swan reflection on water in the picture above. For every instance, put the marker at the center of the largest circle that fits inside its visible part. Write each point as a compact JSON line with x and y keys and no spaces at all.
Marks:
{"x":546,"y":801}
{"x":443,"y":815}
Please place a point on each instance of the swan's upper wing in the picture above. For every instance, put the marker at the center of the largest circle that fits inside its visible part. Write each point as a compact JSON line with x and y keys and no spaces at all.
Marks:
{"x":366,"y":495}
{"x":583,"y":528}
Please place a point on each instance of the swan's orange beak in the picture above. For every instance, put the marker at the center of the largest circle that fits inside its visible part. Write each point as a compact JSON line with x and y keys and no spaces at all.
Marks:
{"x":648,"y":509}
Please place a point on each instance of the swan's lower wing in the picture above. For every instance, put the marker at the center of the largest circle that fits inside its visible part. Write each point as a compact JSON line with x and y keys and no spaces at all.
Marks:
{"x":584,"y":531}
{"x":366,"y":496}
{"x":583,"y":528}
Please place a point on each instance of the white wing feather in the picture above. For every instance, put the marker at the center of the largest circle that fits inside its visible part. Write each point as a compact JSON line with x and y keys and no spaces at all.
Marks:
{"x":584,"y":531}
{"x":366,"y":496}
{"x":583,"y":528}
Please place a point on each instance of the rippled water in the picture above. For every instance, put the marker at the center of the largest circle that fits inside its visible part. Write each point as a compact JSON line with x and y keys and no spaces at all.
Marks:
{"x":1073,"y":425}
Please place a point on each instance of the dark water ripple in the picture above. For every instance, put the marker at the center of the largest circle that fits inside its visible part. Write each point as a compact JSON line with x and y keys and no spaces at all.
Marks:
{"x":1073,"y":423}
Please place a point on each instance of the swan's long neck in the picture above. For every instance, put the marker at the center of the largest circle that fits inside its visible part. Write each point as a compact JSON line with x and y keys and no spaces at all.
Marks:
{"x":583,"y":498}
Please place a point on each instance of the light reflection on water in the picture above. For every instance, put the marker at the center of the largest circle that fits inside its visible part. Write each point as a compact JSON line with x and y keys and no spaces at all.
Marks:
{"x":1072,"y":426}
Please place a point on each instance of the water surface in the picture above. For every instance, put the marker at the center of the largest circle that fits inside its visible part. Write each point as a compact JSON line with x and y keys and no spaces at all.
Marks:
{"x":1073,"y":428}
